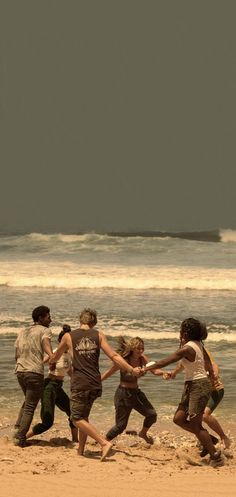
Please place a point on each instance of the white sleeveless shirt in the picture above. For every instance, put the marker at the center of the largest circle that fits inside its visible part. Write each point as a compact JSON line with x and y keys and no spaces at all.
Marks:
{"x":62,"y":365}
{"x":194,"y":370}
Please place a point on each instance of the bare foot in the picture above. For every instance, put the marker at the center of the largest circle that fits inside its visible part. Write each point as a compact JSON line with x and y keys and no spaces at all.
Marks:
{"x":106,"y":449}
{"x":80,"y":452}
{"x":29,"y":434}
{"x":146,"y":437}
{"x":226,"y":442}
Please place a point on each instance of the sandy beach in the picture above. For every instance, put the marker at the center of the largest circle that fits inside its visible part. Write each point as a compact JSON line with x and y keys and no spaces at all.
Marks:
{"x":171,"y":467}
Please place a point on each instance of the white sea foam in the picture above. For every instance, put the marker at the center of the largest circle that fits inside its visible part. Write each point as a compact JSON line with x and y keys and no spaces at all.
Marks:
{"x":88,"y":242}
{"x":167,"y":334}
{"x":71,"y":276}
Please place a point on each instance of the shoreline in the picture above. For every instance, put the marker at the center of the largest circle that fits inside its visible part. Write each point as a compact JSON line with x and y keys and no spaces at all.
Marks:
{"x":103,"y":424}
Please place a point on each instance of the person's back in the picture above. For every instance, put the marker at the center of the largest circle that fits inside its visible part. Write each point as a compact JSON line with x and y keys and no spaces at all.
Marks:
{"x":30,"y":346}
{"x":30,"y":352}
{"x":85,"y":361}
{"x":84,"y":346}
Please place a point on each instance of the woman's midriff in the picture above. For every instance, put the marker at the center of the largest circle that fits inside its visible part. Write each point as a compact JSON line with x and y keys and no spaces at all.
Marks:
{"x":126,"y":384}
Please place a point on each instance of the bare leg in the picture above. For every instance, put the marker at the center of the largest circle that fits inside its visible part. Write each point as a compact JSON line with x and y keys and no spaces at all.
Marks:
{"x":212,"y":422}
{"x":90,"y":430}
{"x":74,"y":434}
{"x":194,"y":425}
{"x":82,"y":442}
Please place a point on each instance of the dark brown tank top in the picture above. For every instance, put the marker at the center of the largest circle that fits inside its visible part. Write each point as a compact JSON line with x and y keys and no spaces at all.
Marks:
{"x":86,"y":351}
{"x":128,"y":377}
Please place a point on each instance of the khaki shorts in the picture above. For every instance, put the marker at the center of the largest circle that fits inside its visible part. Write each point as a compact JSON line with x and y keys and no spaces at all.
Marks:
{"x":81,"y":402}
{"x":195,"y":396}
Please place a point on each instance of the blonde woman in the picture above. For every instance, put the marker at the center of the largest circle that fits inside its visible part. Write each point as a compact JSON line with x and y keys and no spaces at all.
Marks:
{"x":128,"y":396}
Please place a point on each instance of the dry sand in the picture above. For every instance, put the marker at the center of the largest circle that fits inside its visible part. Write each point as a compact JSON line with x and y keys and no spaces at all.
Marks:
{"x":171,"y":467}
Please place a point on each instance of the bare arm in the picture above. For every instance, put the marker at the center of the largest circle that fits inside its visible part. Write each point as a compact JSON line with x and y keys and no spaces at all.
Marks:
{"x":62,"y":347}
{"x":116,"y":358}
{"x":186,"y":352}
{"x":156,"y":372}
{"x":109,"y":372}
{"x":45,"y":359}
{"x":215,"y":369}
{"x":70,"y":371}
{"x":209,"y":367}
{"x":177,"y":370}
{"x":47,"y":348}
{"x":16,"y":349}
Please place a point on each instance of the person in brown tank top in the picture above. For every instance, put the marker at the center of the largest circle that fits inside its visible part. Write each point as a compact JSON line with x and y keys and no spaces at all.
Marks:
{"x":84,"y":346}
{"x":128,"y":396}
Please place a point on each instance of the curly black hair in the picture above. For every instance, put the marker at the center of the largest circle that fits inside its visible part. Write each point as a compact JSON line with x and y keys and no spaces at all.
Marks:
{"x":192,"y":328}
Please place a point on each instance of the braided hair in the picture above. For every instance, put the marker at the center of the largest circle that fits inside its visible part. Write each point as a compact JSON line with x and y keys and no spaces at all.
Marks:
{"x":192,"y":328}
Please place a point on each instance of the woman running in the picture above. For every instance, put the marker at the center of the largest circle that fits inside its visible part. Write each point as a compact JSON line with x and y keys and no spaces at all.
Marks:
{"x":128,"y":396}
{"x":197,"y":386}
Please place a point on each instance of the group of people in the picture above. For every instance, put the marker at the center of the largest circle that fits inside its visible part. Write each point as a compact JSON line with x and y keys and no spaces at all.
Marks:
{"x":78,"y":353}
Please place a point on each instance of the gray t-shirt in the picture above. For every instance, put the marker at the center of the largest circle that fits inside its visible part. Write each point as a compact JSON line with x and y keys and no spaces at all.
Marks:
{"x":29,"y":345}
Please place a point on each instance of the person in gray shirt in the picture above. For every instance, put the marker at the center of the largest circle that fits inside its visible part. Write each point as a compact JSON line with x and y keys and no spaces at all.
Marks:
{"x":30,"y":346}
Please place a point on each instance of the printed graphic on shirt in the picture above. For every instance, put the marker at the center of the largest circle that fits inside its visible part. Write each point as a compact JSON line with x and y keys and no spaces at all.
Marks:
{"x":86,"y":347}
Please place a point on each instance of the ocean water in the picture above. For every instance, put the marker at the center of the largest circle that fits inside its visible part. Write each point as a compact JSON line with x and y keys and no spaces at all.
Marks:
{"x":141,"y":285}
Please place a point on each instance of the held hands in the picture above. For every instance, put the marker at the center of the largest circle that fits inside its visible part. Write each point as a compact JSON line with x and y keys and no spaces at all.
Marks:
{"x":52,"y":367}
{"x":168,"y":375}
{"x":137,"y":372}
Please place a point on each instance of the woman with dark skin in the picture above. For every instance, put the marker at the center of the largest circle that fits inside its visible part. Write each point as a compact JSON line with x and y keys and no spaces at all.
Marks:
{"x":215,"y":398}
{"x":128,"y":396}
{"x":197,"y":387}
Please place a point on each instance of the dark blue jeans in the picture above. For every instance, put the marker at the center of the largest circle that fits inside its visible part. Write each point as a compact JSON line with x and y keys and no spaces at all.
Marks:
{"x":32,"y":386}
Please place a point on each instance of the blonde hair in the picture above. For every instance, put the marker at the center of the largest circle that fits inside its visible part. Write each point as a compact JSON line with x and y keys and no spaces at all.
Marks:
{"x":126,"y":347}
{"x":88,"y":316}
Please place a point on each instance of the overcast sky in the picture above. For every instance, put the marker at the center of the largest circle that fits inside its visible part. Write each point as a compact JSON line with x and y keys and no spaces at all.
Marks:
{"x":117,"y":115}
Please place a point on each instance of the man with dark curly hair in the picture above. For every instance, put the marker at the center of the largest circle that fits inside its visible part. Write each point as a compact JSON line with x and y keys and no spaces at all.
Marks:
{"x":30,"y":346}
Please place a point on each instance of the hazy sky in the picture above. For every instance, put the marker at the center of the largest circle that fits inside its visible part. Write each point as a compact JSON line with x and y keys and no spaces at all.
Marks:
{"x":117,"y":115}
